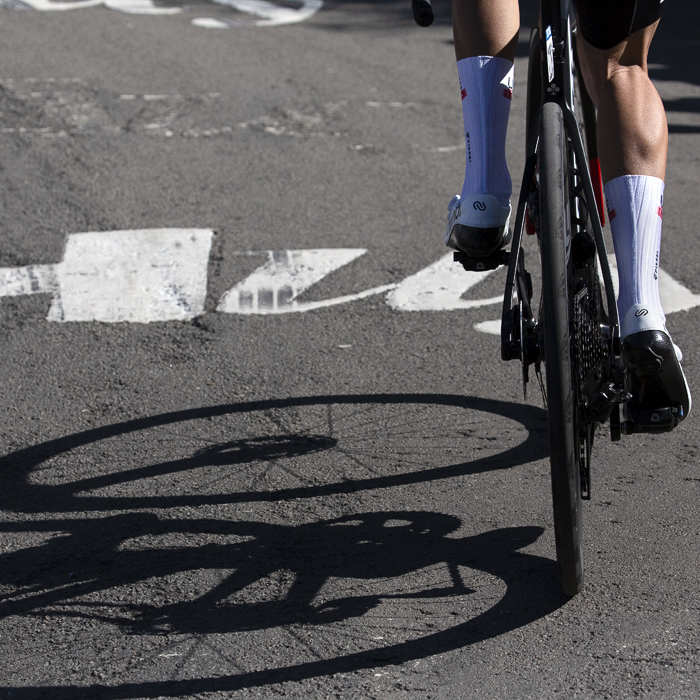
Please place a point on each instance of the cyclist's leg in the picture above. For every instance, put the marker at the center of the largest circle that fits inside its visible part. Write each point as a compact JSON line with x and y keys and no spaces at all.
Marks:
{"x":486,"y":36}
{"x":632,"y":131}
{"x":633,"y":143}
{"x":485,"y":28}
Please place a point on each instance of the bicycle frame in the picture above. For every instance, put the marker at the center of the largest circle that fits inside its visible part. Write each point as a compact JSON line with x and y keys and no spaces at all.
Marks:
{"x":572,"y":333}
{"x":554,"y":42}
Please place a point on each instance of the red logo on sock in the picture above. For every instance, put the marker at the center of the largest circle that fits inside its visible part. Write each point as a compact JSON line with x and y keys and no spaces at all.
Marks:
{"x":611,"y":214}
{"x":464,"y":93}
{"x":661,"y":212}
{"x":507,"y":92}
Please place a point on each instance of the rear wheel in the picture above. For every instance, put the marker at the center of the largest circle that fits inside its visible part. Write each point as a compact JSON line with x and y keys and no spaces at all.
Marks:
{"x":557,"y":291}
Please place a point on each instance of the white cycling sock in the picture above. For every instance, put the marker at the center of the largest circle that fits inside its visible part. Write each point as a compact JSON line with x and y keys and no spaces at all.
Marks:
{"x":635,"y":209}
{"x":487,"y":89}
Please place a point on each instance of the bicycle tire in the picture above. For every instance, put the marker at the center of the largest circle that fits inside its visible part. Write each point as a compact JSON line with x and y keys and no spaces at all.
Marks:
{"x":555,"y":241}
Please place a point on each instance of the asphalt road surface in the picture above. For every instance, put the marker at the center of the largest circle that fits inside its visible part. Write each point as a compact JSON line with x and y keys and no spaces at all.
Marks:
{"x":256,"y":442}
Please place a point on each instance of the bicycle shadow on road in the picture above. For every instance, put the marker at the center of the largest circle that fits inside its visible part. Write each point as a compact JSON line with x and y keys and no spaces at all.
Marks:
{"x":94,"y":556}
{"x":23,"y":494}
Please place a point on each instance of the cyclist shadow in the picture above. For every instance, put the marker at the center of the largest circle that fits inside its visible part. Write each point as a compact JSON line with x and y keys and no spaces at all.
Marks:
{"x":95,"y":555}
{"x":377,"y":547}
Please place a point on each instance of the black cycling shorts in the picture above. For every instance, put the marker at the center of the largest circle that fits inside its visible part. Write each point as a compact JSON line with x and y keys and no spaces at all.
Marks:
{"x":605,"y":23}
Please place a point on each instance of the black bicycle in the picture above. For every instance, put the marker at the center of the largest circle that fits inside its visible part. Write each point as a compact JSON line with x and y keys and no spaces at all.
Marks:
{"x":574,"y":330}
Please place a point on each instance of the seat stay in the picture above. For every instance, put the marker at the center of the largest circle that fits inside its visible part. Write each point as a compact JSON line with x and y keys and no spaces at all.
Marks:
{"x":557,"y":70}
{"x":575,"y":135}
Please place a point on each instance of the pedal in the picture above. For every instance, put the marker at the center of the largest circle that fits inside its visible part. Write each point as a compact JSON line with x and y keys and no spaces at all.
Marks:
{"x":609,"y":394}
{"x":659,"y":420}
{"x":500,"y":257}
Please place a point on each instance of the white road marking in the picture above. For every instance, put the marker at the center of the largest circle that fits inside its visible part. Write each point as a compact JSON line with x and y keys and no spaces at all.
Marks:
{"x":674,"y":297}
{"x":211,"y":23}
{"x":11,"y":82}
{"x":448,"y":149}
{"x":140,"y":7}
{"x":439,"y":287}
{"x":268,"y":14}
{"x":137,"y":276}
{"x":161,"y":275}
{"x":274,"y":287}
{"x":491,"y":327}
{"x":391,"y":104}
{"x":48,"y":6}
{"x":32,"y":279}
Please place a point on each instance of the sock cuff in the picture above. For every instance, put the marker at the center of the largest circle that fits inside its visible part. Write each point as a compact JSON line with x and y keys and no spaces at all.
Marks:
{"x":493,"y":68}
{"x":633,"y":189}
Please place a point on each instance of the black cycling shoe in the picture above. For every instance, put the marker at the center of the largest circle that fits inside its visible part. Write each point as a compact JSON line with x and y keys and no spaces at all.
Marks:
{"x":477,"y":225}
{"x":660,"y":396}
{"x":479,"y":242}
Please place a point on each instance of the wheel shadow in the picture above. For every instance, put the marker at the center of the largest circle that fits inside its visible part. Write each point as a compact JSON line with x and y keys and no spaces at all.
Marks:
{"x":95,"y":555}
{"x":21,"y":494}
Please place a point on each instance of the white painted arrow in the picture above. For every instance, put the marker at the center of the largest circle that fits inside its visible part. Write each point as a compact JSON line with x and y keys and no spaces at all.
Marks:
{"x":439,"y":287}
{"x":140,"y":7}
{"x":273,"y":288}
{"x":269,"y":14}
{"x":674,"y":296}
{"x":138,"y":276}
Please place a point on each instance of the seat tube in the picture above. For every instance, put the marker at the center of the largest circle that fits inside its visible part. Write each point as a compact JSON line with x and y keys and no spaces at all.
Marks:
{"x":553,"y":14}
